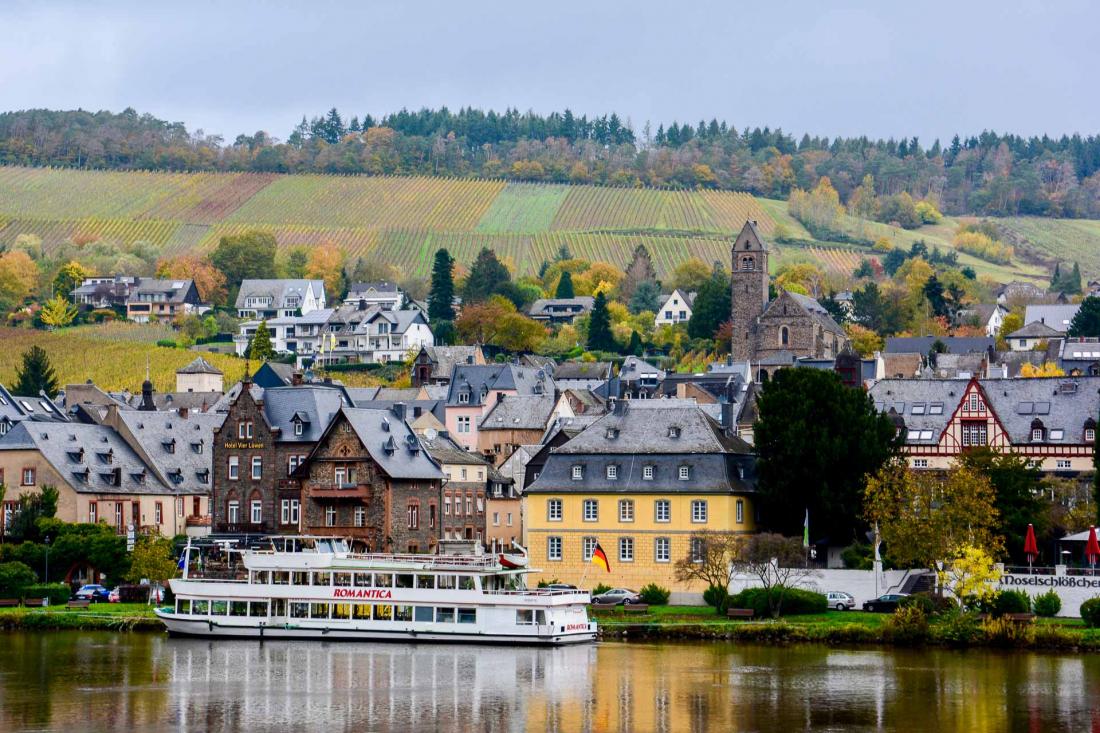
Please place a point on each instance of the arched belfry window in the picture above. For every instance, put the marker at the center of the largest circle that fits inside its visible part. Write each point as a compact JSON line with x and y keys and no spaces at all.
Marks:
{"x":748,"y":263}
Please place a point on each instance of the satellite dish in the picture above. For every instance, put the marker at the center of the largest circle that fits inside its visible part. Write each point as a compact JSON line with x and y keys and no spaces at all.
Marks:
{"x":430,"y":433}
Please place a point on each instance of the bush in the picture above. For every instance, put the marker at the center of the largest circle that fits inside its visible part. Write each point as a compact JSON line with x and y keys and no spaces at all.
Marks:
{"x":167,"y":343}
{"x":544,"y":583}
{"x":654,"y":595}
{"x":14,"y":577}
{"x":930,"y":603}
{"x":600,"y":589}
{"x":1008,"y":601}
{"x":1053,"y":636}
{"x":717,"y":597}
{"x":795,"y":601}
{"x":907,"y":627}
{"x":959,"y":629}
{"x":1090,"y":612}
{"x":1002,"y":632}
{"x":58,"y":593}
{"x":1047,"y":604}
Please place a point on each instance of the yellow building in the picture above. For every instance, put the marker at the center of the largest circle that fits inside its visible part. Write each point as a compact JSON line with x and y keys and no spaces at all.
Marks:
{"x":641,"y":481}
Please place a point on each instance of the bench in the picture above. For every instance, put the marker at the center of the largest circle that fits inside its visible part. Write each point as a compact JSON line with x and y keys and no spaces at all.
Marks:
{"x":34,"y":602}
{"x":740,"y":613}
{"x":636,"y":608}
{"x":78,"y":604}
{"x":9,"y":602}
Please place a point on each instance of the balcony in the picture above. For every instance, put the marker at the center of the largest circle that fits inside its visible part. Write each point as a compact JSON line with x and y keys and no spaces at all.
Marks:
{"x":340,"y":491}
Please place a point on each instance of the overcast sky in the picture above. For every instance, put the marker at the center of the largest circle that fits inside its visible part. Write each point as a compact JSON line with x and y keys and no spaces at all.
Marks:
{"x":878,"y":68}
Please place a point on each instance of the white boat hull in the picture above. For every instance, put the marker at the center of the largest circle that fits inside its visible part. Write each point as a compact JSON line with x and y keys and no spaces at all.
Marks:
{"x":345,"y":631}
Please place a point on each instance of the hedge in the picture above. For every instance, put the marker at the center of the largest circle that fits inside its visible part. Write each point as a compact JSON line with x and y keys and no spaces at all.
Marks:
{"x":795,"y":601}
{"x":58,"y":593}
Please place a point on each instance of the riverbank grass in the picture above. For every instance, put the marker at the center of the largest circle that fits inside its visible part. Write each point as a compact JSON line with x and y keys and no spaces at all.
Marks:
{"x":115,"y":616}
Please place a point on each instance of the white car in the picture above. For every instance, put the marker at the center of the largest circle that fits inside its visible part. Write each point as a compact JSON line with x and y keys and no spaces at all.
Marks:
{"x":840,"y":600}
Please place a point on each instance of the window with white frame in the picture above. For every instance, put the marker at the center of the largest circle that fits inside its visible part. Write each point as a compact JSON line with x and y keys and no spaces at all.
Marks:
{"x":662,"y":549}
{"x":284,"y":511}
{"x":920,"y":463}
{"x":698,"y":549}
{"x":157,"y":513}
{"x":662,"y":510}
{"x":626,"y":510}
{"x":447,"y":506}
{"x":1036,"y":434}
{"x":464,"y":424}
{"x":234,"y":512}
{"x":1090,"y":434}
{"x":330,"y":516}
{"x":626,"y":549}
{"x":257,"y":512}
{"x":685,"y":473}
{"x":739,"y":511}
{"x":257,"y":468}
{"x":612,"y":472}
{"x":699,"y":511}
{"x":578,"y":472}
{"x":297,"y":427}
{"x":234,"y":468}
{"x":588,"y":548}
{"x":360,"y":516}
{"x":553,"y":548}
{"x":295,"y":511}
{"x":647,"y":473}
{"x":591,"y":510}
{"x":1063,"y":463}
{"x":496,"y":519}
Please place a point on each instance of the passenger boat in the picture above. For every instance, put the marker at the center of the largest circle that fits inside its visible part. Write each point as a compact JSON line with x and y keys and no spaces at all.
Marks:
{"x":317,"y":588}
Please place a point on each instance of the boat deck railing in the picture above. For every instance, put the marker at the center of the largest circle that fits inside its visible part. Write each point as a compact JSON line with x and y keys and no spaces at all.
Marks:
{"x":536,"y":592}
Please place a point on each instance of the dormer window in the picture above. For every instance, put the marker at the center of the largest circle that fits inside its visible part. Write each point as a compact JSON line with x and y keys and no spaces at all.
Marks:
{"x":612,"y":433}
{"x":685,"y":473}
{"x":674,"y":431}
{"x":612,"y":472}
{"x":1090,"y":435}
{"x":578,"y":472}
{"x":1038,"y":431}
{"x":298,"y":427}
{"x":170,"y":445}
{"x":197,"y":447}
{"x":464,"y":397}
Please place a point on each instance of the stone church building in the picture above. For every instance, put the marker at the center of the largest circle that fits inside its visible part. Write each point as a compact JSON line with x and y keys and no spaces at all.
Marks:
{"x":772,"y":334}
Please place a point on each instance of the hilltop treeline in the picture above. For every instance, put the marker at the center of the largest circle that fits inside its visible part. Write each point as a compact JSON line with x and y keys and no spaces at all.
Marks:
{"x":988,"y":174}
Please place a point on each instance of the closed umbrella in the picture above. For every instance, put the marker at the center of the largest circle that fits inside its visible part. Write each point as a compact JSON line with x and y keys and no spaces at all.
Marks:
{"x":1092,"y":548}
{"x":1031,"y":547}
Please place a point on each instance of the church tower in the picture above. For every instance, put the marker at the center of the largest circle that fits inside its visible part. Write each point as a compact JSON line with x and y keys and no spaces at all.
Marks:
{"x":749,"y":293}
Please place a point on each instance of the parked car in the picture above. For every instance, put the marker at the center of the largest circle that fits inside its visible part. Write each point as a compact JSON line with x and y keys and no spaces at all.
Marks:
{"x":617,"y":596}
{"x":840,"y":600}
{"x":93,"y":593}
{"x":113,"y":597}
{"x":885,"y":603}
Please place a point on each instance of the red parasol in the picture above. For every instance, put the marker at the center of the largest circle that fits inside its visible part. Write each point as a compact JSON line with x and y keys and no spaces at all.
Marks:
{"x":1031,"y":547}
{"x":1092,"y":548}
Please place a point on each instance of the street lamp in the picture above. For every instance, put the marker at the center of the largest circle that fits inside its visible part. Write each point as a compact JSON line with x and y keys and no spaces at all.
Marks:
{"x":47,"y":543}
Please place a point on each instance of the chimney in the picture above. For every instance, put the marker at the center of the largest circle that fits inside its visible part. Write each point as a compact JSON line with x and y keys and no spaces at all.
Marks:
{"x":296,"y":379}
{"x":727,"y":416}
{"x":399,"y":410}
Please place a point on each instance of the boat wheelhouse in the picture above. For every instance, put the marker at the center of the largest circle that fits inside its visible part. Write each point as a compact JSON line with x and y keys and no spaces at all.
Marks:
{"x":316,"y":588}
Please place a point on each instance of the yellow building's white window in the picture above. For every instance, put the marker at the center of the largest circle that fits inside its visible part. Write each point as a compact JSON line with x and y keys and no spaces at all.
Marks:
{"x":739,"y":511}
{"x":591,"y":510}
{"x":626,"y":510}
{"x":647,"y":473}
{"x":612,"y":472}
{"x":626,"y":549}
{"x":662,"y":549}
{"x":685,"y":473}
{"x":578,"y":472}
{"x":553,"y":510}
{"x":588,"y":548}
{"x":553,"y":548}
{"x":662,"y":510}
{"x":699,"y":511}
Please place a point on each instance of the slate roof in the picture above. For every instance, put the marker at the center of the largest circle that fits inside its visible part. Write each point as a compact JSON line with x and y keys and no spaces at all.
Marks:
{"x":1035,"y":330}
{"x":936,"y":400}
{"x":646,"y":433}
{"x":1057,"y":317}
{"x":88,"y":457}
{"x":379,"y":286}
{"x":982,"y":312}
{"x":272,"y":374}
{"x":177,"y":290}
{"x":278,"y":290}
{"x":1013,"y":361}
{"x":445,"y":450}
{"x":394,"y":394}
{"x":1080,"y":349}
{"x":199,"y":366}
{"x":817,"y":312}
{"x":313,"y":405}
{"x":444,"y":358}
{"x":477,"y":379}
{"x":923,"y":344}
{"x":390,"y":443}
{"x":519,"y":412}
{"x":563,"y":306}
{"x":22,"y":407}
{"x":180,"y":449}
{"x":586,"y":370}
{"x":198,"y":401}
{"x":634,"y":369}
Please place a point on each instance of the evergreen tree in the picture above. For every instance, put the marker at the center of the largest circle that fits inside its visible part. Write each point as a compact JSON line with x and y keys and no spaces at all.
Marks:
{"x":1086,"y":322}
{"x":933,"y":291}
{"x":600,"y":337}
{"x":260,"y":348}
{"x":1056,"y":277}
{"x":442,"y":294}
{"x":639,"y":270}
{"x":711,"y":307}
{"x":36,"y":375}
{"x":564,"y":253}
{"x":646,"y":297}
{"x":565,"y":286}
{"x":487,"y":277}
{"x":1073,"y":282}
{"x":634,"y":348}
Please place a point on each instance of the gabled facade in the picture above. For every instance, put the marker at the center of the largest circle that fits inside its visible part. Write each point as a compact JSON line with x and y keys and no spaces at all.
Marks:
{"x":675,"y":308}
{"x":1050,"y":421}
{"x":474,"y":390}
{"x":561,"y":310}
{"x":267,"y":299}
{"x":465,"y":488}
{"x":104,"y":292}
{"x":370,"y":479}
{"x":514,"y":421}
{"x":435,"y":364}
{"x":163,"y":300}
{"x":381,"y":294}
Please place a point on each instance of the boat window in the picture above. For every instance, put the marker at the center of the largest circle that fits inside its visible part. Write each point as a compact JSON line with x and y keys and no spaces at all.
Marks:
{"x":257,"y":609}
{"x":219,"y":608}
{"x":425,"y":581}
{"x":318,"y":610}
{"x":299,"y":610}
{"x":362,"y":580}
{"x":383,"y":580}
{"x":424,"y":613}
{"x":322,"y":578}
{"x":341,"y":580}
{"x":467,"y":615}
{"x":183,"y":607}
{"x":402,"y":613}
{"x":258,"y":576}
{"x":199,"y":608}
{"x":466,"y":582}
{"x":525,"y":617}
{"x":278,"y":607}
{"x":280,"y":577}
{"x":404,"y":581}
{"x":341,"y":610}
{"x":446,"y":582}
{"x":299,"y":577}
{"x":238,"y":608}
{"x":540,"y":618}
{"x":445,"y":615}
{"x":383,"y":613}
{"x":361,"y":611}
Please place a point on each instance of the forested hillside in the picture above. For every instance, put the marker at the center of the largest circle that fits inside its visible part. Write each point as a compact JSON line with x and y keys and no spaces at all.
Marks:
{"x":986,"y":174}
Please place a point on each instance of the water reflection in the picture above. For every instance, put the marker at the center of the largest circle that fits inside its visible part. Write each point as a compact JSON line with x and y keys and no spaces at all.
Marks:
{"x":99,"y":681}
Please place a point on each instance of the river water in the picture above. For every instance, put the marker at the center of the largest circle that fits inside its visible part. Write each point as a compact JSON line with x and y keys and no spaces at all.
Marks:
{"x":74,"y":681}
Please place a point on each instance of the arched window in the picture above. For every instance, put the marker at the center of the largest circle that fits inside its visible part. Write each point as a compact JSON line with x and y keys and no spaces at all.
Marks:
{"x":762,"y":376}
{"x":1038,"y":431}
{"x":784,"y":336}
{"x":748,"y":263}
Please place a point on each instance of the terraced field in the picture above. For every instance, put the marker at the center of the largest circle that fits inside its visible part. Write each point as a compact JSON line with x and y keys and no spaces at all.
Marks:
{"x":403,"y":220}
{"x":1068,"y":240}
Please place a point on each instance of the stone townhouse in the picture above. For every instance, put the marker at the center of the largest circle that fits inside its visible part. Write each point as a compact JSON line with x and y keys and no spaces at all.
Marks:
{"x":370,"y":479}
{"x":1050,"y":421}
{"x":266,"y":435}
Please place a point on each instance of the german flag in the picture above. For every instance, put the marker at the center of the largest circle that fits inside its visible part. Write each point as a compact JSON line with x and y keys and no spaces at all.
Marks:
{"x":599,"y":557}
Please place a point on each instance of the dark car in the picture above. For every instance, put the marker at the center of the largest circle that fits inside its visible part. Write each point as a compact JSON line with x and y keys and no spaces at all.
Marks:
{"x":884,"y":604}
{"x":93,"y":593}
